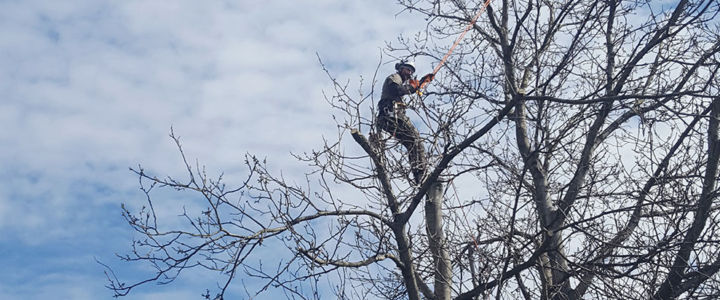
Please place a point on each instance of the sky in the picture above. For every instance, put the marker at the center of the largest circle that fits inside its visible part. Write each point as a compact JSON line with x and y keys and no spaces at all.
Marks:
{"x":90,"y":88}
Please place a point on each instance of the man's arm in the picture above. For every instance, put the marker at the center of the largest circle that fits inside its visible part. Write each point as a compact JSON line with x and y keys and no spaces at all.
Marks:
{"x":401,"y":88}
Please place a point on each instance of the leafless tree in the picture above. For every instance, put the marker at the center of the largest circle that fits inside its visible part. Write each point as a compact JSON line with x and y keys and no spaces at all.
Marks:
{"x":572,"y":149}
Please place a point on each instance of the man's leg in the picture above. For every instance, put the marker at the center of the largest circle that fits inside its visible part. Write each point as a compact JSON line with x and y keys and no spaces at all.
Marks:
{"x":410,"y":138}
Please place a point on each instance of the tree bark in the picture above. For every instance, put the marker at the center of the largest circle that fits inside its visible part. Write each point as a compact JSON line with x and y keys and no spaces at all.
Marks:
{"x":437,"y":242}
{"x":671,"y":287}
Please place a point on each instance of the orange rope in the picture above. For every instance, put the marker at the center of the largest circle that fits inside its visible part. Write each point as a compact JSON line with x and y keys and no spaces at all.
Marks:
{"x":442,"y":62}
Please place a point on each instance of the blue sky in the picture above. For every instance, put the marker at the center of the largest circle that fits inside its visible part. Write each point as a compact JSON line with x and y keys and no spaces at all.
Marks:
{"x":89,"y":88}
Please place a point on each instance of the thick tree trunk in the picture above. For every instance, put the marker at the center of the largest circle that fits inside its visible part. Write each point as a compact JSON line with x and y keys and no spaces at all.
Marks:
{"x":672,"y":286}
{"x":407,"y":269}
{"x":437,"y":242}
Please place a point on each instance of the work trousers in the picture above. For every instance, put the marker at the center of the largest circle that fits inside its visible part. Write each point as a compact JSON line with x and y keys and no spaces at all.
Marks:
{"x":400,"y":127}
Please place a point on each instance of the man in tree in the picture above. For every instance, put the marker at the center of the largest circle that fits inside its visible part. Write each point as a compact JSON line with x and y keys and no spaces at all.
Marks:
{"x":560,"y":198}
{"x":391,"y":114}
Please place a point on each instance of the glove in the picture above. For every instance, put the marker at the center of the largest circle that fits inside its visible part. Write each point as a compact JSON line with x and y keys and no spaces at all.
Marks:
{"x":427,"y":78}
{"x":414,"y":83}
{"x":399,"y":106}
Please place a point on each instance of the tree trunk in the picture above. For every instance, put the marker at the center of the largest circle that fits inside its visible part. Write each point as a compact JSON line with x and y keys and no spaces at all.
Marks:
{"x":407,"y":269}
{"x":672,"y":286}
{"x":438,"y":246}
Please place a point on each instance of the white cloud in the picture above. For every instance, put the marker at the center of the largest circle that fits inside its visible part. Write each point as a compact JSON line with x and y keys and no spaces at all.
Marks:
{"x":90,"y":88}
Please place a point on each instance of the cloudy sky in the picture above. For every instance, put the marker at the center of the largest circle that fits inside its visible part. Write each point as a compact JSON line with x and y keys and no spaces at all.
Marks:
{"x":89,"y":88}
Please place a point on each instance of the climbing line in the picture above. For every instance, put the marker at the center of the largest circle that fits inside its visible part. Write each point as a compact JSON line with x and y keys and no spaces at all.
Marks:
{"x":452,"y":48}
{"x":424,"y":83}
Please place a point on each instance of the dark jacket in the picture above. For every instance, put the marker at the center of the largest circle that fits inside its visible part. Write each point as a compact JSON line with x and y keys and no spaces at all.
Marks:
{"x":392,"y":91}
